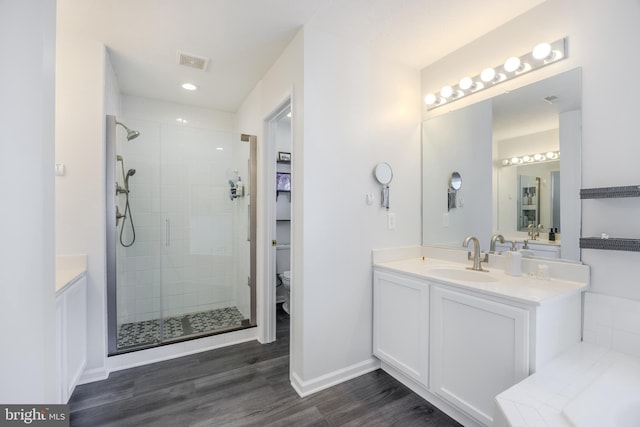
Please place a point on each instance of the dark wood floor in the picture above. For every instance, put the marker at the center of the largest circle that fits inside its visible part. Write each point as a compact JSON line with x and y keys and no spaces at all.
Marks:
{"x":244,"y":385}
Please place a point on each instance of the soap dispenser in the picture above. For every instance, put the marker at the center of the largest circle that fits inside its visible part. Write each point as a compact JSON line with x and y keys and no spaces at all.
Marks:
{"x":552,"y":235}
{"x":239,"y":187}
{"x":513,"y":264}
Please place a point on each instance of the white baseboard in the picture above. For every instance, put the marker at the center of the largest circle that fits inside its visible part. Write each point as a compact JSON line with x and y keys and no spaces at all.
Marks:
{"x":306,"y":388}
{"x":93,"y":375}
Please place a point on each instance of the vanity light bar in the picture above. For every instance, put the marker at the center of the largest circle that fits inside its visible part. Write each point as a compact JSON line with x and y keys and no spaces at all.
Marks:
{"x":531,"y":158}
{"x":542,"y":55}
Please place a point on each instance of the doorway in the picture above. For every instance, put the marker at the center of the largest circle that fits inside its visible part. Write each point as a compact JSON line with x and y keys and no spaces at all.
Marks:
{"x":279,"y":182}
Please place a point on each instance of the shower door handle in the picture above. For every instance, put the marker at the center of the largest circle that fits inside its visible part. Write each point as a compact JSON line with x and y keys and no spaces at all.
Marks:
{"x":167,"y":232}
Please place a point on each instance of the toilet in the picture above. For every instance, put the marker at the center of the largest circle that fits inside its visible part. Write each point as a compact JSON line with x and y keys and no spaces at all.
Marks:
{"x":286,"y":282}
{"x":284,"y":274}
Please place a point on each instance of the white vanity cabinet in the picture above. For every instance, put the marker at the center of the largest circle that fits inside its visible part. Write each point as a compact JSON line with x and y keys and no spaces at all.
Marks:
{"x":401,"y":323}
{"x":479,"y":348}
{"x":71,"y":314}
{"x":458,"y":345}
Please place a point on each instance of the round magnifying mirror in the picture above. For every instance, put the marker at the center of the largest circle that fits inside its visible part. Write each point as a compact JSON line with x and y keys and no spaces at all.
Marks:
{"x":455,"y":181}
{"x":383,"y":173}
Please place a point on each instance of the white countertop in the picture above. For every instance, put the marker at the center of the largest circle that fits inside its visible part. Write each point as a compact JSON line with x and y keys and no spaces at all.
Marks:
{"x":523,"y":289}
{"x":68,"y":269}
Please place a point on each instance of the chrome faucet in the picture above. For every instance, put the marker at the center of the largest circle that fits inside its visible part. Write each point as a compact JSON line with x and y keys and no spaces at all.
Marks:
{"x":492,"y":245}
{"x":534,"y":230}
{"x":477,"y":266}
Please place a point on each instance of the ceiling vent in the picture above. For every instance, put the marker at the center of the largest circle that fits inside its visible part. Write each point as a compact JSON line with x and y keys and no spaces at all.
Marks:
{"x":550,"y":99}
{"x":193,"y":61}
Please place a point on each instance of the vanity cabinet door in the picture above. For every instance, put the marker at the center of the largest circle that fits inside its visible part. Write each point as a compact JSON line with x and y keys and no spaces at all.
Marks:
{"x":479,"y":348}
{"x":71,"y":318}
{"x":400,"y":323}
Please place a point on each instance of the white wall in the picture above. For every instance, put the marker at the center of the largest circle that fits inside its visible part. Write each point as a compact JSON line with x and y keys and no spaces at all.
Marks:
{"x":601,"y":34}
{"x":80,"y":202}
{"x":351,"y":110}
{"x":359,"y":110}
{"x":27,"y":296}
{"x":284,"y":80}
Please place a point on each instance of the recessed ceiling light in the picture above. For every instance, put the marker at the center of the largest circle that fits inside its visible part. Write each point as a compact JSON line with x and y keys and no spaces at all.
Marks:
{"x":189,"y":86}
{"x":219,"y":148}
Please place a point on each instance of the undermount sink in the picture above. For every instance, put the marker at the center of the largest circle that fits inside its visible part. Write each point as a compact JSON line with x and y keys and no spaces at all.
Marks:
{"x":463,"y":274}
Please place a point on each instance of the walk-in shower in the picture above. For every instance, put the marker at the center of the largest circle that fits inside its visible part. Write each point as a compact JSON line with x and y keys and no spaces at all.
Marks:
{"x":186,"y":267}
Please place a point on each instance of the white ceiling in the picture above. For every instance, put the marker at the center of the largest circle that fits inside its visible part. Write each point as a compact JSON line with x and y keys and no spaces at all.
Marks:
{"x":243,"y":38}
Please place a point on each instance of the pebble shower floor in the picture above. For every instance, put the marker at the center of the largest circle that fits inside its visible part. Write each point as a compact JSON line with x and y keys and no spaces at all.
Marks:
{"x":135,"y":334}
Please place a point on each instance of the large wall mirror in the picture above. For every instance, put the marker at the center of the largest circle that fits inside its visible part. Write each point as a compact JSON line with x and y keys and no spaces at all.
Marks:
{"x":520,"y":155}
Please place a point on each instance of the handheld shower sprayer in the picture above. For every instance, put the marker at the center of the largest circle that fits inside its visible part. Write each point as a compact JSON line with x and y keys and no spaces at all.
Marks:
{"x":127,"y":208}
{"x":130,"y":173}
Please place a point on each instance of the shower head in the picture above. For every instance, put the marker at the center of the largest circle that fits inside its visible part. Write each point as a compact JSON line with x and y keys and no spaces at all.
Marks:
{"x":131,"y":134}
{"x":131,"y":172}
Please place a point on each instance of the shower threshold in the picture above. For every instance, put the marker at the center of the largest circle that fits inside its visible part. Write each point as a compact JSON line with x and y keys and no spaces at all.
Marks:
{"x":142,"y":335}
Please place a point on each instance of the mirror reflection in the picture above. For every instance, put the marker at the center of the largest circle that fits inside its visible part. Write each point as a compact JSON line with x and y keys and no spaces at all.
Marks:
{"x":520,"y":152}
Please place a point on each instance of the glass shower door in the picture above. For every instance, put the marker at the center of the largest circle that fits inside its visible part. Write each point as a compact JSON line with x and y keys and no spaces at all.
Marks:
{"x":187,"y":272}
{"x":202,"y":255}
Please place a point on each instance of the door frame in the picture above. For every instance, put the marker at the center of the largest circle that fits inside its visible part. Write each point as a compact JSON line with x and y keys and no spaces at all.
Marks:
{"x":267,"y":311}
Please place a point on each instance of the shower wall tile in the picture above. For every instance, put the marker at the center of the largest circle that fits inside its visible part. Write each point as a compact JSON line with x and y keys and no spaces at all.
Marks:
{"x":147,"y":305}
{"x":147,"y":291}
{"x":173,"y":302}
{"x":147,"y":316}
{"x":191,"y":299}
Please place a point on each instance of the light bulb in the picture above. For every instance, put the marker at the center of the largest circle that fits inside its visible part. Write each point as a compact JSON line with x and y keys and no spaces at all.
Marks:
{"x":506,"y":162}
{"x":465,"y":83}
{"x":430,"y":99}
{"x":488,"y":74}
{"x":512,"y":64}
{"x":527,"y":159}
{"x":538,"y":157}
{"x":551,"y":155}
{"x":541,"y":51}
{"x":189,"y":86}
{"x":515,"y":160}
{"x":446,"y":92}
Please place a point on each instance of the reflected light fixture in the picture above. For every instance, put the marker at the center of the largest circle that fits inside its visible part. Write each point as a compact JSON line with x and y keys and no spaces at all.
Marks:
{"x":531,"y":158}
{"x":543,"y":54}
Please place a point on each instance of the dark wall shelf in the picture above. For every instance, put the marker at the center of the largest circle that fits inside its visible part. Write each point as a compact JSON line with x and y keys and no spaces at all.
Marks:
{"x":612,"y":244}
{"x":610,"y":192}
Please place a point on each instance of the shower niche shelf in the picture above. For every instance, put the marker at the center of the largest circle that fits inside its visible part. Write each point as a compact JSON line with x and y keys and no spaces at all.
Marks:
{"x":612,"y":244}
